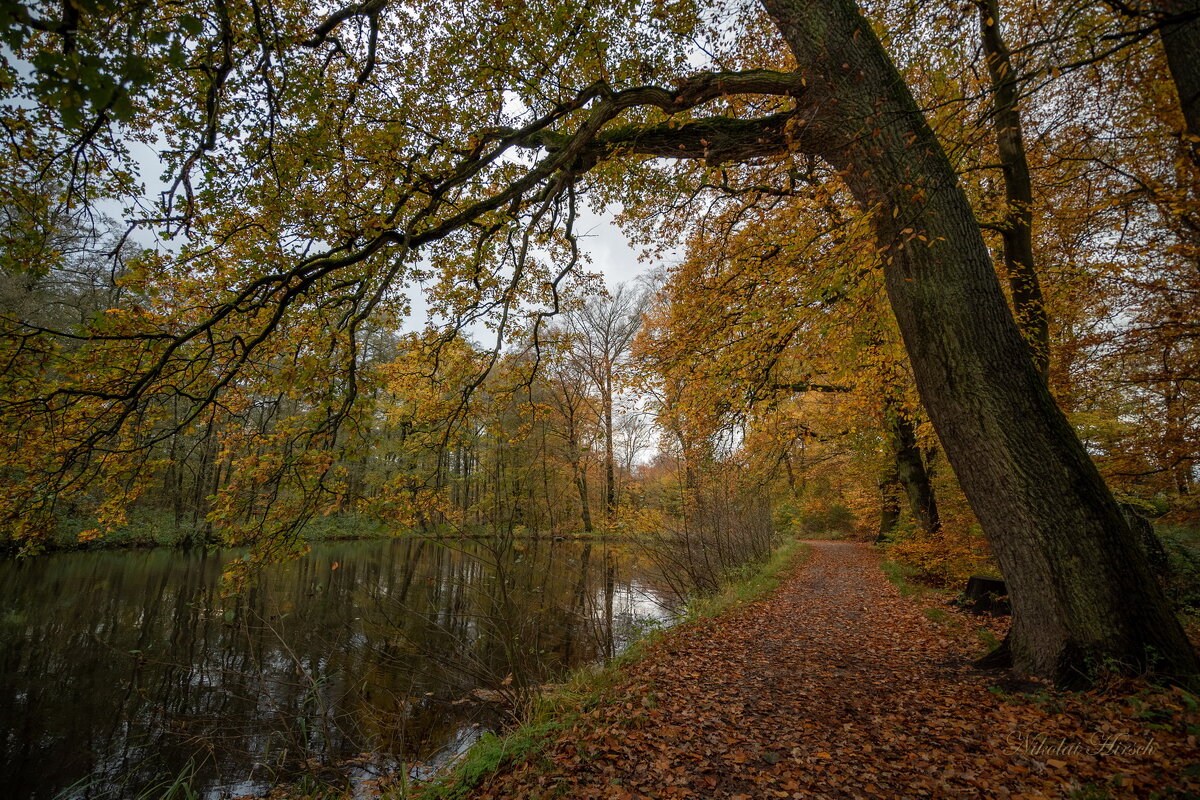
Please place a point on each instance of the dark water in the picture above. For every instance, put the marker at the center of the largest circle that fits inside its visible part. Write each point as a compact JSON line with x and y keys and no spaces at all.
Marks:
{"x":121,"y":671}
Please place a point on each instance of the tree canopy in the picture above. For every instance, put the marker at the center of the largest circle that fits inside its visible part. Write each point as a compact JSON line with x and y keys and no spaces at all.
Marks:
{"x":320,"y":162}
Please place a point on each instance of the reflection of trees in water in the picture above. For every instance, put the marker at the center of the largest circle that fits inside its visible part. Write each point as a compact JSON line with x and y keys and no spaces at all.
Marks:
{"x":505,"y":615}
{"x":120,"y":668}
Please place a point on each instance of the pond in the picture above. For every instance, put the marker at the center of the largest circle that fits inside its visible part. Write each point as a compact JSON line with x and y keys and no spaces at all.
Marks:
{"x":122,"y":672}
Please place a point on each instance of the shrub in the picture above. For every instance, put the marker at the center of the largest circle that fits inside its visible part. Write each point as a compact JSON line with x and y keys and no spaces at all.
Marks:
{"x":945,"y":558}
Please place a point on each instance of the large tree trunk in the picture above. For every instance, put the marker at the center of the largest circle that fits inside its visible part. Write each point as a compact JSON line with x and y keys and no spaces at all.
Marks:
{"x":1181,"y":41}
{"x":1081,"y":590}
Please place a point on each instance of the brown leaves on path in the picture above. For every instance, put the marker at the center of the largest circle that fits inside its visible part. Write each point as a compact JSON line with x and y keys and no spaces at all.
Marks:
{"x":836,"y":687}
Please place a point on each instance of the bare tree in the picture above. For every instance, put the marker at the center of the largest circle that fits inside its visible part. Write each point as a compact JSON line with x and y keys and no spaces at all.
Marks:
{"x":568,"y":393}
{"x":603,"y":331}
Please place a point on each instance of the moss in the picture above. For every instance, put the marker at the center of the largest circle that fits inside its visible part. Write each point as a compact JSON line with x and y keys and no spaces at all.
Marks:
{"x":988,"y":639}
{"x":938,"y":615}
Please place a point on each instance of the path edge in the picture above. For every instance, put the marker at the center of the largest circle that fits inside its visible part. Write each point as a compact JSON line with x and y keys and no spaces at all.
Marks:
{"x":591,"y":686}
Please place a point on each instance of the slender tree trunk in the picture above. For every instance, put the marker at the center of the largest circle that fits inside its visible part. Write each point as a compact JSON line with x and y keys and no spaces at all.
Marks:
{"x":1081,"y":589}
{"x":173,"y":481}
{"x":793,"y":484}
{"x":178,"y":490}
{"x":910,"y":469}
{"x":1016,"y":229}
{"x":889,"y":505}
{"x":1176,"y":455}
{"x":610,"y":485}
{"x":221,"y":469}
{"x":580,"y":475}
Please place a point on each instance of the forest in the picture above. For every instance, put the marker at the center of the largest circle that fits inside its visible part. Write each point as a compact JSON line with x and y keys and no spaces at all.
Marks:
{"x":918,"y":275}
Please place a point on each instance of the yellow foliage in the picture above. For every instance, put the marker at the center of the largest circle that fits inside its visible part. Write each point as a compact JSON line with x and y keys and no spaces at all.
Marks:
{"x":945,"y":558}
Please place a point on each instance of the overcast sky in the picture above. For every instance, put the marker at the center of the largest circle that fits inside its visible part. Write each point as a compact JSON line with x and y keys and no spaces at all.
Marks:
{"x":609,"y":249}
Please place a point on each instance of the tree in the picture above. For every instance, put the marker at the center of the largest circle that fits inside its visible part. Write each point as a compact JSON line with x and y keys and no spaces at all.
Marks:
{"x":1080,"y":586}
{"x":311,"y":225}
{"x":1179,"y":23}
{"x":604,"y":328}
{"x":1016,"y":229}
{"x":568,"y":383}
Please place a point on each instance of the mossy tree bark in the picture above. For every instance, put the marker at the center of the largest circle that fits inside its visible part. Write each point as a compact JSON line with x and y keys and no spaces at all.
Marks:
{"x":911,"y":470}
{"x":889,"y":503}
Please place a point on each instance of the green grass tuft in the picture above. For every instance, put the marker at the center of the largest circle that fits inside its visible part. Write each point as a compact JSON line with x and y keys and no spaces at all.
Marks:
{"x":901,"y":577}
{"x":749,"y":583}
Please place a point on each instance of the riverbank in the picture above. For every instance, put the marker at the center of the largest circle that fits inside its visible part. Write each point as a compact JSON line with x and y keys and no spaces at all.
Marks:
{"x":146,"y":529}
{"x":835,"y":685}
{"x":591,"y":687}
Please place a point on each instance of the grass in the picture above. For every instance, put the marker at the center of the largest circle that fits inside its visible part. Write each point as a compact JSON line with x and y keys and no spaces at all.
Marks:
{"x":548,"y":713}
{"x":1090,"y":791}
{"x":145,"y":528}
{"x":939,"y":615}
{"x":748,"y":583}
{"x":179,"y":787}
{"x":901,"y":577}
{"x":338,"y":527}
{"x":589,"y":686}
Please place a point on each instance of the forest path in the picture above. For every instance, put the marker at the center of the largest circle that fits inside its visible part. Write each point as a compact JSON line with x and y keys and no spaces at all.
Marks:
{"x":836,"y":686}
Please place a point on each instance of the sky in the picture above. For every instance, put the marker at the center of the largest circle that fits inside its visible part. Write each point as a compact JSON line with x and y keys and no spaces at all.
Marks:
{"x":610,"y":250}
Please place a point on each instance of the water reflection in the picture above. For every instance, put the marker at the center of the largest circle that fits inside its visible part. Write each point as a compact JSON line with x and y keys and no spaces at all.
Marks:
{"x":119,"y":670}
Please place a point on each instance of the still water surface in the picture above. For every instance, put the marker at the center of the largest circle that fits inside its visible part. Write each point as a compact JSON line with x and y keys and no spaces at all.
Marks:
{"x":120,"y":671}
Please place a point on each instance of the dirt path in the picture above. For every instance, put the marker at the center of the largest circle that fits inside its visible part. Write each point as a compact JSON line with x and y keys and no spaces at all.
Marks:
{"x":838,"y":687}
